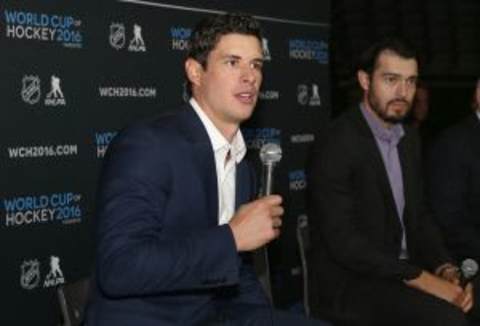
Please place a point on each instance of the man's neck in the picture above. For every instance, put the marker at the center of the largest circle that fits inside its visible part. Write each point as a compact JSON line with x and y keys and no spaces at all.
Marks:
{"x":228,"y":130}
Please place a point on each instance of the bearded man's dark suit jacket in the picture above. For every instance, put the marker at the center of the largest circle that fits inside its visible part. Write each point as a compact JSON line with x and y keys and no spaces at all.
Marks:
{"x":454,"y":186}
{"x":356,"y":232}
{"x":161,"y":257}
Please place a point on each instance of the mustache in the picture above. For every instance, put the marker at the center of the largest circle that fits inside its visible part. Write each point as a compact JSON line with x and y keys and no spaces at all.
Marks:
{"x":398,"y":101}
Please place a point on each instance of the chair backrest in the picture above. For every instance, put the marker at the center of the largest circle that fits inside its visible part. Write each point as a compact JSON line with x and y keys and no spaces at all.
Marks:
{"x":261,"y":263}
{"x":303,"y":239}
{"x":73,"y":298}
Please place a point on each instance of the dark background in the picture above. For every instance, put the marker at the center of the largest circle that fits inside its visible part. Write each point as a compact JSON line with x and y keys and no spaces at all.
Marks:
{"x":86,"y":117}
{"x":446,"y":32}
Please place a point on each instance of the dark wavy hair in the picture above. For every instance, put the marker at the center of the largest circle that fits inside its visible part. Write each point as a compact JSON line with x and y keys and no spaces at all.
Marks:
{"x":369,"y":58}
{"x":208,"y":32}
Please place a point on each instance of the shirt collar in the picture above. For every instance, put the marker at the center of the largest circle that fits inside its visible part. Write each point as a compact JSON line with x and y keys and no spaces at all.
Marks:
{"x":219,"y":142}
{"x":393,"y":134}
{"x":478,"y":114}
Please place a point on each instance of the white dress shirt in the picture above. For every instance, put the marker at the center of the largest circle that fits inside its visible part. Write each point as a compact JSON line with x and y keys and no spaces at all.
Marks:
{"x":227,"y":156}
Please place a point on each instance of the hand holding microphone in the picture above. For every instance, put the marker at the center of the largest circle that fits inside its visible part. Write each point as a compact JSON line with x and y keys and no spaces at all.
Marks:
{"x":468,"y":271}
{"x":462,"y":277}
{"x":258,"y":222}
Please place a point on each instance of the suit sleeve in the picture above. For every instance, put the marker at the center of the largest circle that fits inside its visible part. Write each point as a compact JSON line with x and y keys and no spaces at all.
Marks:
{"x":448,"y":192}
{"x":135,"y":255}
{"x":333,"y":203}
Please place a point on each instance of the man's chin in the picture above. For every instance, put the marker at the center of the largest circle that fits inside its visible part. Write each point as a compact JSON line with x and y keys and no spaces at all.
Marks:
{"x":395,"y":119}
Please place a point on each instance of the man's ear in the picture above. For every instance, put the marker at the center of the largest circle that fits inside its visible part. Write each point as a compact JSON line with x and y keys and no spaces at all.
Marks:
{"x":194,"y":71}
{"x":363,"y":79}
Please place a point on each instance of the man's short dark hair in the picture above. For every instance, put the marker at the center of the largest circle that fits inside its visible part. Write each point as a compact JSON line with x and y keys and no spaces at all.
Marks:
{"x":208,"y":32}
{"x":369,"y":58}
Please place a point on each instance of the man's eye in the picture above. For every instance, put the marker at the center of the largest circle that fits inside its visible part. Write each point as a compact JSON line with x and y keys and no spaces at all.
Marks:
{"x":412,"y":82}
{"x":391,"y":80}
{"x":257,"y":65}
{"x":232,"y":63}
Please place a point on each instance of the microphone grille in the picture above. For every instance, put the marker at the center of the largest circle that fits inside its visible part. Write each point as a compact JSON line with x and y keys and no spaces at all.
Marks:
{"x":270,"y":153}
{"x":469,"y":267}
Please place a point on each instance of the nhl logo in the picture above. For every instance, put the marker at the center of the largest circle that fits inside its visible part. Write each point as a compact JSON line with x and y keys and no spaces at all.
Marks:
{"x":117,"y":36}
{"x":31,"y":89}
{"x":30,"y":277}
{"x":302,"y":94}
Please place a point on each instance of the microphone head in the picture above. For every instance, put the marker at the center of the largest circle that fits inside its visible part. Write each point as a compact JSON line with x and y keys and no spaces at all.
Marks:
{"x":469,"y":268}
{"x":270,"y":153}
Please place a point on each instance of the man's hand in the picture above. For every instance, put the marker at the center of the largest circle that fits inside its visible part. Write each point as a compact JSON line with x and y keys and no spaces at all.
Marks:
{"x":467,"y":302}
{"x":257,"y":223}
{"x":449,"y":273}
{"x":444,"y":289}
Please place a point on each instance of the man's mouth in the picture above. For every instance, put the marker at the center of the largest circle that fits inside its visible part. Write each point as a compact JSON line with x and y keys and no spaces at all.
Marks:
{"x":247,"y":97}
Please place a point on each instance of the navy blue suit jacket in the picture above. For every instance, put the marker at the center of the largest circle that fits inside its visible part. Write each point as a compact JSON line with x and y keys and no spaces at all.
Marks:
{"x":161,"y":256}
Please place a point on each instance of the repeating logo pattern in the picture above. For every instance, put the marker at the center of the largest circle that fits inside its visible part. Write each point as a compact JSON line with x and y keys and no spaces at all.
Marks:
{"x":118,"y":39}
{"x":30,"y":275}
{"x":31,"y":91}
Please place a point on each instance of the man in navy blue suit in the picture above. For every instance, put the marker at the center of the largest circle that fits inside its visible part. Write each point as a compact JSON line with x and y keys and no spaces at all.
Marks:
{"x":176,"y":210}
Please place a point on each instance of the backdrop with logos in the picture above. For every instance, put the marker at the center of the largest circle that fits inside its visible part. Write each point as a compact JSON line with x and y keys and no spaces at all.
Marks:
{"x":73,"y":73}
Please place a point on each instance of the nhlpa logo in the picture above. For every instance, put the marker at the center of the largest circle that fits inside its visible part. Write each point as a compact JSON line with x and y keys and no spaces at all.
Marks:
{"x":30,"y":277}
{"x":266,"y":50}
{"x":305,"y":97}
{"x":31,"y":89}
{"x":55,"y":96}
{"x":55,"y":276}
{"x":117,"y":35}
{"x":137,"y":44}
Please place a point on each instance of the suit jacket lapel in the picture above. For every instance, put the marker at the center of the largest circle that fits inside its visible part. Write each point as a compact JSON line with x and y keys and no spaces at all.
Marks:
{"x":204,"y":158}
{"x":243,"y":184}
{"x":407,"y":172}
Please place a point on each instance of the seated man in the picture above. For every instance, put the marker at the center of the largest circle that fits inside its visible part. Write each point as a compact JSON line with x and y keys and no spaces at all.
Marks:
{"x":379,"y":258}
{"x":176,"y":210}
{"x":454,"y":186}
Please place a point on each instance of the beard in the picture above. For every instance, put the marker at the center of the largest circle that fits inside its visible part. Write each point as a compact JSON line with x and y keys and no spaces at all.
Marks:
{"x":382,"y":112}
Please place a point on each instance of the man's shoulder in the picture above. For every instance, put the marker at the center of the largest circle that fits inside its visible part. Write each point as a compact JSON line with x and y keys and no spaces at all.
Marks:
{"x":343,"y":134}
{"x":346,"y":126}
{"x":346,"y":119}
{"x":167,"y":126}
{"x":460,"y":132}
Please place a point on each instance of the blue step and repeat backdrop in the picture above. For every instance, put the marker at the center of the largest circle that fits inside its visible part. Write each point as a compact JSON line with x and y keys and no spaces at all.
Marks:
{"x":73,"y":73}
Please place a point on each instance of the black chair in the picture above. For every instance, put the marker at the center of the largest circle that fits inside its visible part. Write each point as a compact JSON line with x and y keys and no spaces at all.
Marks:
{"x":303,"y":239}
{"x":73,"y":298}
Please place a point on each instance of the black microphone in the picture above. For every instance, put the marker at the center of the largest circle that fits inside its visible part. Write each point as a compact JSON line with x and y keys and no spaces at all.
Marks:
{"x":270,"y":155}
{"x":468,"y":270}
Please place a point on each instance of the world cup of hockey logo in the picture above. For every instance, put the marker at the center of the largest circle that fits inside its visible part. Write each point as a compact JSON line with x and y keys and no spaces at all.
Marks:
{"x":30,"y":277}
{"x":117,"y":36}
{"x":31,"y":89}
